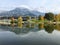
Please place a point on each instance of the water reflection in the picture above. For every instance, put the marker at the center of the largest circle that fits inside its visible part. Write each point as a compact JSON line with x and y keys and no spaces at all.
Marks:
{"x":30,"y":27}
{"x":30,"y":34}
{"x":27,"y":25}
{"x":20,"y":25}
{"x":57,"y":27}
{"x":49,"y":28}
{"x":41,"y":26}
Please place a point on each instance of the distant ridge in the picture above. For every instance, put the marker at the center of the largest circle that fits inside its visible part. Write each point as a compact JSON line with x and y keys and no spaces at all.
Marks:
{"x":21,"y":11}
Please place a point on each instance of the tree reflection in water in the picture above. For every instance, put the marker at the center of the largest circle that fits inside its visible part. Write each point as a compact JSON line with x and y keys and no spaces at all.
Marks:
{"x":40,"y":26}
{"x":30,"y":27}
{"x":20,"y":25}
{"x":57,"y":27}
{"x":49,"y":28}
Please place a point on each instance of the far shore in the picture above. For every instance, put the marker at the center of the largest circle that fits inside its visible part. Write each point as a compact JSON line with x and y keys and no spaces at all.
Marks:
{"x":7,"y":22}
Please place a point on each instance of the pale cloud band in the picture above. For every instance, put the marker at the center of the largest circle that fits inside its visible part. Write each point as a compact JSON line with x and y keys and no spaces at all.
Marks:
{"x":41,"y":5}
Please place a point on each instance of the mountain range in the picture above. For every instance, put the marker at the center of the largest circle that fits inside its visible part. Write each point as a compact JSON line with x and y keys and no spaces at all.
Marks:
{"x":21,"y":11}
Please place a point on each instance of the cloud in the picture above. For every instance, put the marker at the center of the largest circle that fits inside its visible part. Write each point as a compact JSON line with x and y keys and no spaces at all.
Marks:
{"x":41,"y":5}
{"x":49,"y":6}
{"x":25,"y":6}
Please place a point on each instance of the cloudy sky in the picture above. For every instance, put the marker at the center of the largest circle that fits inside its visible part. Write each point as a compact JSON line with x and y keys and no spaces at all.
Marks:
{"x":41,"y":5}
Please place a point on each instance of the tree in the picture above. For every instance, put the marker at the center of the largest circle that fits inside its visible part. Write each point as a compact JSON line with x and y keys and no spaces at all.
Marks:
{"x":12,"y":20}
{"x":39,"y":18}
{"x":28,"y":18}
{"x":20,"y":20}
{"x":49,"y":16}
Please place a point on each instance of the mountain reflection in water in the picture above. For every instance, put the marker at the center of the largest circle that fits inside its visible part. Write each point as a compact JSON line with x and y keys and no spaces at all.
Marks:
{"x":30,"y":34}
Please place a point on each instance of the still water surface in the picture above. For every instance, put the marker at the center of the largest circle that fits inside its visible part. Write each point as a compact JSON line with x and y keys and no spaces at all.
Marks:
{"x":30,"y":34}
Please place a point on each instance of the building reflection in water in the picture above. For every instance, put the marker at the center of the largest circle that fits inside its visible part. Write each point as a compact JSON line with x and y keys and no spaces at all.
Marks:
{"x":12,"y":25}
{"x":32,"y":25}
{"x":28,"y":25}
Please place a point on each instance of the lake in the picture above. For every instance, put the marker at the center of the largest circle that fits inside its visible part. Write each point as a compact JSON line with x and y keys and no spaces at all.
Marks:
{"x":30,"y":34}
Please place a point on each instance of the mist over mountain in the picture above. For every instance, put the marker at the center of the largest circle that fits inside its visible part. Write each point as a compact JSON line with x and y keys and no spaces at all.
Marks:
{"x":21,"y":11}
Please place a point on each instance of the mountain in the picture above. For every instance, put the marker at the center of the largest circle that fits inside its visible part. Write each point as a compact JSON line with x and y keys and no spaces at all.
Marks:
{"x":22,"y":11}
{"x":2,"y":11}
{"x":35,"y":12}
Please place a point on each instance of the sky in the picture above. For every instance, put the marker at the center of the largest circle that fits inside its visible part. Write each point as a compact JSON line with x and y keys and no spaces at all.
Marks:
{"x":40,"y":5}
